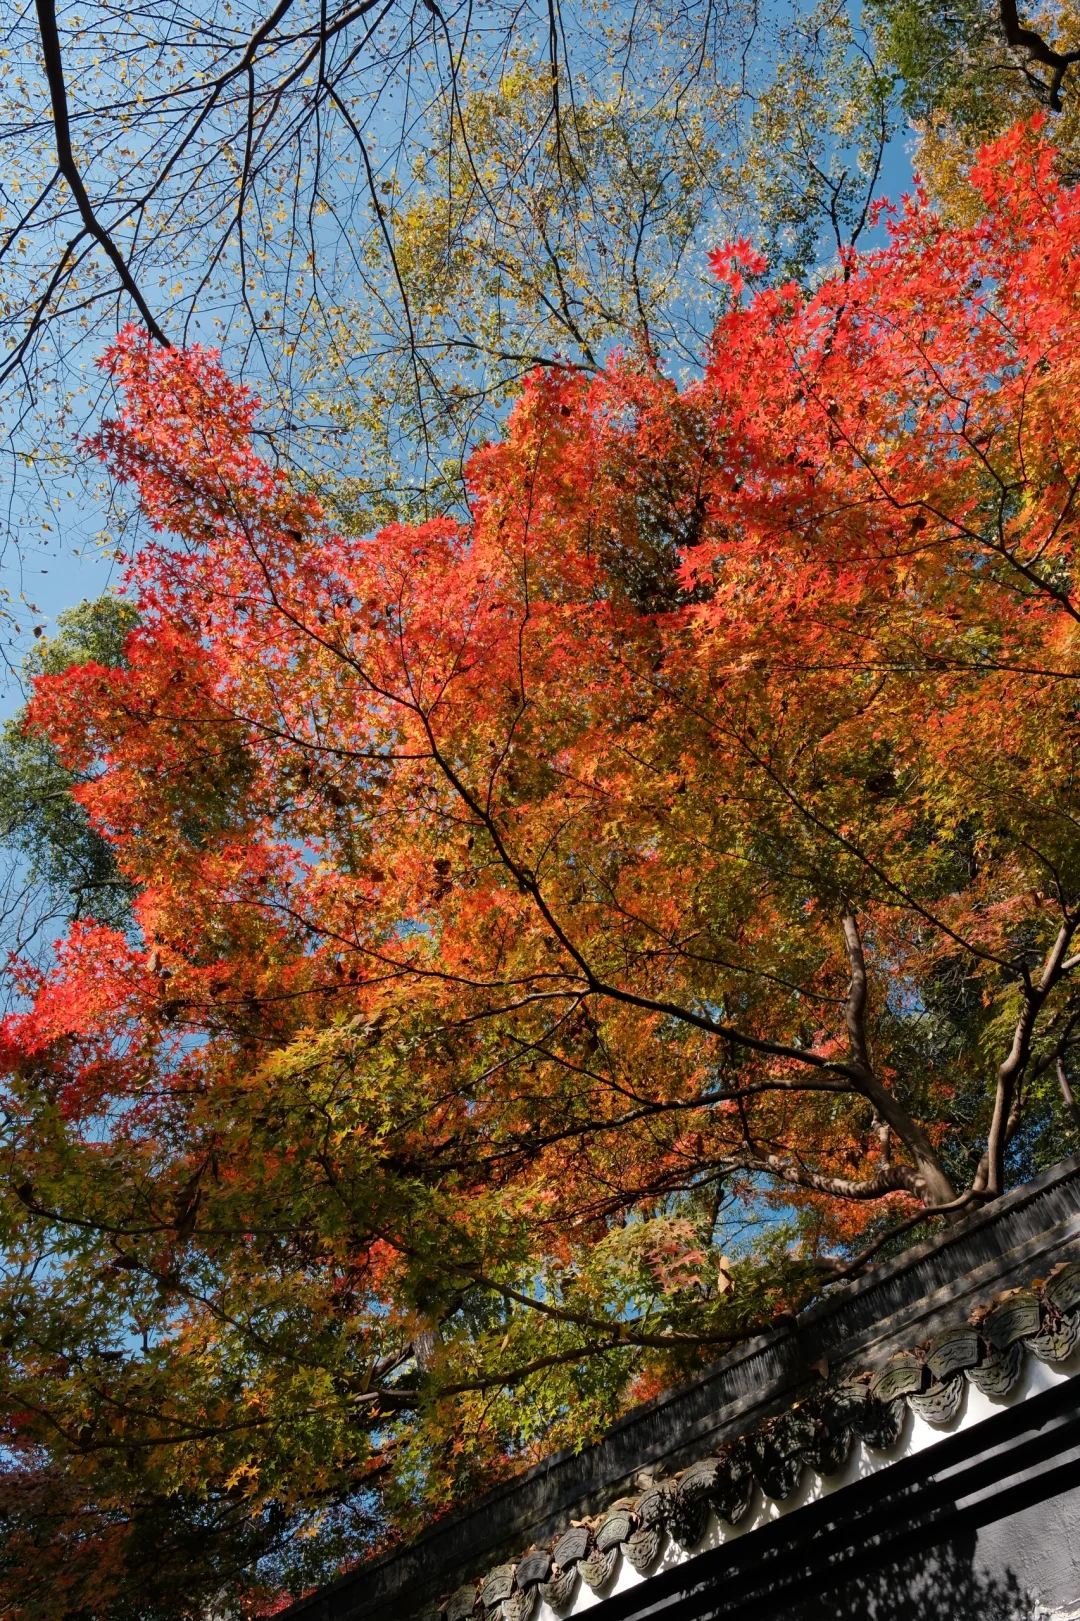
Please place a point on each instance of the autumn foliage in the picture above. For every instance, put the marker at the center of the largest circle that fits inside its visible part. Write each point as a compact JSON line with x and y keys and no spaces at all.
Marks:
{"x":566,"y":936}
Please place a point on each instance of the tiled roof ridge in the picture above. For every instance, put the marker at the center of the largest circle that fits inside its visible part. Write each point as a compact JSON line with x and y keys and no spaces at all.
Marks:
{"x":817,"y":1432}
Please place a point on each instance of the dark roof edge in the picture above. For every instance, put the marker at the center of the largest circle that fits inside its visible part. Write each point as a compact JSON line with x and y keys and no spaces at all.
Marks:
{"x":756,"y":1377}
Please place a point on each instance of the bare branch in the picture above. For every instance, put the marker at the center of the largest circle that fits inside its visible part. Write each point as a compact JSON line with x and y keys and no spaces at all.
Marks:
{"x":1067,"y":1092}
{"x":69,"y":168}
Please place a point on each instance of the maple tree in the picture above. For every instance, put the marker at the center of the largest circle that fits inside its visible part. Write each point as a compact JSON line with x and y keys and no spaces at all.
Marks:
{"x":565,"y":939}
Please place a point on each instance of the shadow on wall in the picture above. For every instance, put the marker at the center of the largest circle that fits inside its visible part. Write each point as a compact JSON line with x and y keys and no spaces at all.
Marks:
{"x":942,"y":1584}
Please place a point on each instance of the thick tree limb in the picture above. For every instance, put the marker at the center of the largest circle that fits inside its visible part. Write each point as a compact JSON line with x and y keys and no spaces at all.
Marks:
{"x":1026,"y":39}
{"x":934,"y":1184}
{"x":990,"y":1177}
{"x":890,"y":1178}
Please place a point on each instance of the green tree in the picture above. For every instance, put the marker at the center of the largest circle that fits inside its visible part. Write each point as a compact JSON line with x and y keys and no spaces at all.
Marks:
{"x":61,"y":869}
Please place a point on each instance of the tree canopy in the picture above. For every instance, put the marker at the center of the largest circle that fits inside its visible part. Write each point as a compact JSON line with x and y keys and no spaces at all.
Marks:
{"x":387,"y":215}
{"x":566,"y":937}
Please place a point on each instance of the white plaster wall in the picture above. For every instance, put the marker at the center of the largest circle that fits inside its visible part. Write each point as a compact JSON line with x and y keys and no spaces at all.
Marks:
{"x":1028,"y":1548}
